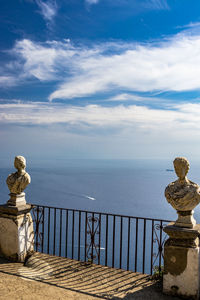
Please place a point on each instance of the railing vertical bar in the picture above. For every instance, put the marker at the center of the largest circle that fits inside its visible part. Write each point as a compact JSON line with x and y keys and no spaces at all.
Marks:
{"x":72,"y":234}
{"x":106,"y":250}
{"x":92,"y":238}
{"x":144,"y":246}
{"x":54,"y":239}
{"x":66,"y":234}
{"x":152,"y":241}
{"x":128,"y":246}
{"x":160,"y":246}
{"x":37,"y":228}
{"x":48,"y":237}
{"x":136,"y":243}
{"x":43,"y":213}
{"x":85,"y":236}
{"x":79,"y":234}
{"x":121,"y":236}
{"x":99,"y":254}
{"x":113,"y":246}
{"x":60,"y":244}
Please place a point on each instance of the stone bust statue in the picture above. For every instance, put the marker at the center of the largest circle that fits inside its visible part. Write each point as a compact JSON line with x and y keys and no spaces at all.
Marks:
{"x":18,"y":181}
{"x":183,"y":194}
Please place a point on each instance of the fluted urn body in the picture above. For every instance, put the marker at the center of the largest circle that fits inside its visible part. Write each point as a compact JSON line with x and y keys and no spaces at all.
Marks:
{"x":183,"y":194}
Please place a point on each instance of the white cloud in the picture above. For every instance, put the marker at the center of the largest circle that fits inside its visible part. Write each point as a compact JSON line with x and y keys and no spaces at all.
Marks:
{"x":132,"y":97}
{"x":42,"y":62}
{"x":48,"y":9}
{"x":171,"y":65}
{"x":190,"y":25}
{"x":8,"y":81}
{"x":156,"y":4}
{"x":96,"y":131}
{"x":168,"y":66}
{"x":181,"y":118}
{"x":91,"y":1}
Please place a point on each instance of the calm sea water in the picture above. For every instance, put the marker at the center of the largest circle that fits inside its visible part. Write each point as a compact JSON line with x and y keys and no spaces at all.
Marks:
{"x":130,"y":187}
{"x":126,"y":187}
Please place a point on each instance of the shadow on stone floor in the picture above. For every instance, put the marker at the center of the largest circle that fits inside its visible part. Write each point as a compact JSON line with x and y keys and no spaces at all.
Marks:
{"x":92,"y":280}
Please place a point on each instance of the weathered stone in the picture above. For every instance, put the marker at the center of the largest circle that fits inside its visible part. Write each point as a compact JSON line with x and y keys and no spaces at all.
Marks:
{"x":17,"y":182}
{"x":181,"y":271}
{"x":183,"y":237}
{"x":16,"y":235}
{"x":181,"y":251}
{"x":15,"y":210}
{"x":183,"y":194}
{"x":16,"y":225}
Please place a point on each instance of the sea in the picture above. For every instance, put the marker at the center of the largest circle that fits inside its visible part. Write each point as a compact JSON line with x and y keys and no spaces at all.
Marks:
{"x":125,"y":187}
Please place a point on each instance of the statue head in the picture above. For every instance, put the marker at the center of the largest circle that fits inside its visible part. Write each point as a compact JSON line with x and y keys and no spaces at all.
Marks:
{"x":20,"y":162}
{"x":181,"y":167}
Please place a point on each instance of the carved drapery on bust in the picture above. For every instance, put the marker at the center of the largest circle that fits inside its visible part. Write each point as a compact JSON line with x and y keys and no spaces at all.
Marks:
{"x":18,"y":181}
{"x":183,"y":194}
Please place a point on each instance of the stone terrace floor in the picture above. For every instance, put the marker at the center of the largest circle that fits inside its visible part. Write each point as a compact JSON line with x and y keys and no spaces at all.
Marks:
{"x":50,"y":277}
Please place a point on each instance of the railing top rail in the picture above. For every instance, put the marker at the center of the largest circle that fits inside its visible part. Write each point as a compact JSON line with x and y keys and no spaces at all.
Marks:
{"x":102,"y":213}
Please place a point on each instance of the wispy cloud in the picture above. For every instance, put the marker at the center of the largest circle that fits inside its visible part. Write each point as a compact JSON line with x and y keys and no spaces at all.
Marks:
{"x":48,"y":9}
{"x":184,"y":117}
{"x":131,"y":97}
{"x":190,"y":25}
{"x":156,"y":4}
{"x":167,"y":66}
{"x":191,"y":29}
{"x":43,"y":62}
{"x":79,"y":71}
{"x":92,"y":1}
{"x":8,"y":81}
{"x":99,"y":131}
{"x":137,"y":5}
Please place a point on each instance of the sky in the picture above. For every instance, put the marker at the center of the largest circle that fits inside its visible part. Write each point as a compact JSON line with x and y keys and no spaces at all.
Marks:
{"x":100,"y":78}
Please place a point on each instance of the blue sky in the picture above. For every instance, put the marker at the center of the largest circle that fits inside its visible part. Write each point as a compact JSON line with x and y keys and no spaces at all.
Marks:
{"x":100,"y":78}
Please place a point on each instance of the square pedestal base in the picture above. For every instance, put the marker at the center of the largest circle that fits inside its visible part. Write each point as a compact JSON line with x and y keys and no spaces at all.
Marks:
{"x":16,"y":233}
{"x":181,"y":262}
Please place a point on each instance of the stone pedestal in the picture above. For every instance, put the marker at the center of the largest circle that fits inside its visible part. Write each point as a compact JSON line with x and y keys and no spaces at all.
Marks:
{"x":16,"y":231}
{"x":185,"y":219}
{"x":181,"y":262}
{"x":16,"y":199}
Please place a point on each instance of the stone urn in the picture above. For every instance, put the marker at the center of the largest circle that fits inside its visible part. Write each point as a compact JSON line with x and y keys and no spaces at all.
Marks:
{"x":183,"y":194}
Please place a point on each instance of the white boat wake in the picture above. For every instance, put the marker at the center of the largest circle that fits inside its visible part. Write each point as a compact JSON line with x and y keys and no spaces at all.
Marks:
{"x":88,"y":197}
{"x":81,"y":196}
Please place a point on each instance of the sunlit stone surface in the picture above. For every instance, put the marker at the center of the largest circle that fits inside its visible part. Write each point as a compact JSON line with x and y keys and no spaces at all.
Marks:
{"x":16,"y":225}
{"x":181,"y":250}
{"x":17,"y":182}
{"x":183,"y":194}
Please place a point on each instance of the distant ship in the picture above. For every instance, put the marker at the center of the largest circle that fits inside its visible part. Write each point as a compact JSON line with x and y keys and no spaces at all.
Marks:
{"x":169,"y":170}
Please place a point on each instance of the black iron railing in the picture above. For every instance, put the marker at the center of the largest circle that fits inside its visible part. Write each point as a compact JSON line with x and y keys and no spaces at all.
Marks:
{"x":125,"y":242}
